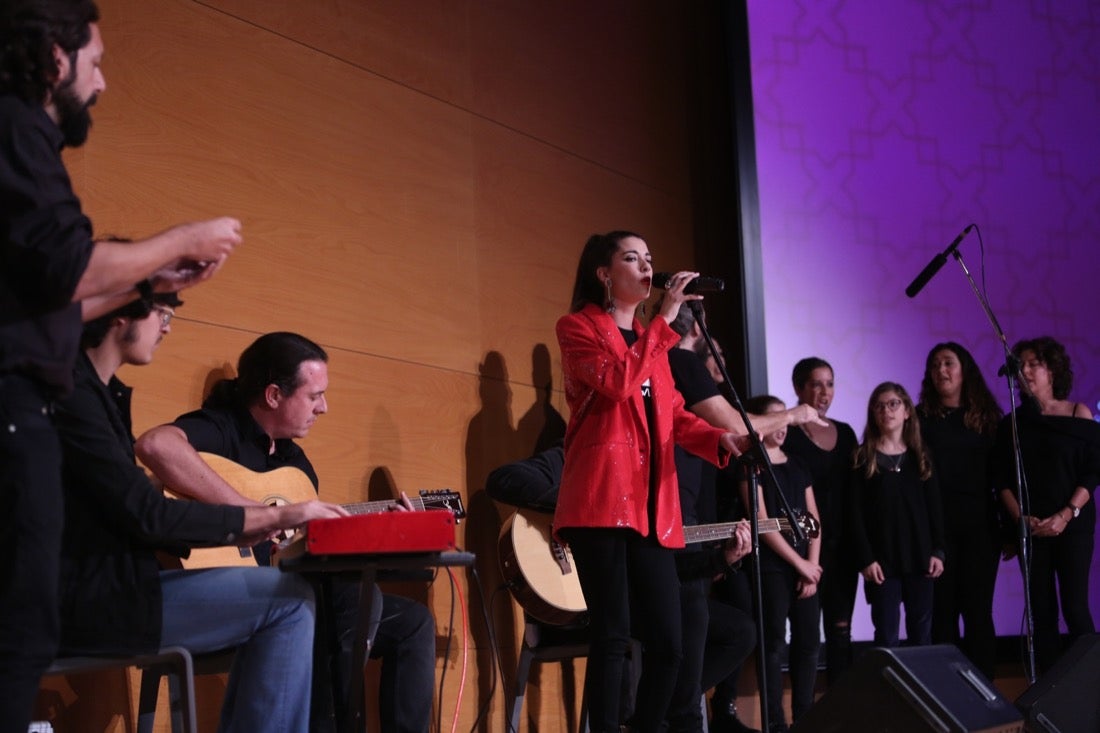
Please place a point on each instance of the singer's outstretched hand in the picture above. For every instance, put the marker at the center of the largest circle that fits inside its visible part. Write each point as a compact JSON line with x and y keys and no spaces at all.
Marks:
{"x":735,"y":444}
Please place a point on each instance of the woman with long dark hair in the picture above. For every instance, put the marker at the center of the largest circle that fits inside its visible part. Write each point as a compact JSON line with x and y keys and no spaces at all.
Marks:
{"x":618,"y":505}
{"x":958,"y":420}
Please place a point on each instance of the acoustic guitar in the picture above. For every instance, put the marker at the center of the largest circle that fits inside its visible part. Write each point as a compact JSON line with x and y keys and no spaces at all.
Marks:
{"x":539,"y":570}
{"x":289,"y":485}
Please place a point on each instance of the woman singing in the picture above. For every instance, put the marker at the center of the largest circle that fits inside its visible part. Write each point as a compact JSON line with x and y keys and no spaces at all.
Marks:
{"x":1060,"y":448}
{"x":958,"y":420}
{"x":618,"y":506}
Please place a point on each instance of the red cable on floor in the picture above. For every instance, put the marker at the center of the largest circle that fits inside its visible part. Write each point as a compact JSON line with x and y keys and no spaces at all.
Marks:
{"x":465,"y":648}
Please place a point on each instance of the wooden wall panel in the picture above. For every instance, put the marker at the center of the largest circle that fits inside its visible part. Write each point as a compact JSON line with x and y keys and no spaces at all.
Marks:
{"x":602,"y":81}
{"x":416,"y":181}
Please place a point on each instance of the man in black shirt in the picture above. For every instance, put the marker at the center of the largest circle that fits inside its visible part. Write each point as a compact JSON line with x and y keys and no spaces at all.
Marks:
{"x":254,"y":420}
{"x":717,"y":636}
{"x":52,"y":276}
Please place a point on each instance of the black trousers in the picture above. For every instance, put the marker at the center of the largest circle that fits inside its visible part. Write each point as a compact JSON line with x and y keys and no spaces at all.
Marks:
{"x":630,"y":586}
{"x":30,"y":544}
{"x":837,"y":592}
{"x":1065,"y":558}
{"x":781,"y":604}
{"x":965,"y":590}
{"x":403,"y":637}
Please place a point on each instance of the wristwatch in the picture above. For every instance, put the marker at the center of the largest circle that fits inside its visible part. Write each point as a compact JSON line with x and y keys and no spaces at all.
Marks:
{"x":1075,"y":509}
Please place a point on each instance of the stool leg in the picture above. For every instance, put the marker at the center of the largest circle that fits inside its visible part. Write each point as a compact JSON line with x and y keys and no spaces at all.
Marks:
{"x":147,"y":700}
{"x":185,"y":690}
{"x":523,"y":670}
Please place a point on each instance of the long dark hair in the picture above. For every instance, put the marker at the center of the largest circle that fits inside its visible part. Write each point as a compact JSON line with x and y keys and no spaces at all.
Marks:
{"x":910,"y":434}
{"x":597,"y":252}
{"x":274,"y":358}
{"x":981,"y":413}
{"x":28,"y":31}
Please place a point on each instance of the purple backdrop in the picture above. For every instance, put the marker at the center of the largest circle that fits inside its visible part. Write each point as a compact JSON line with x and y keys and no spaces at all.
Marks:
{"x":883,"y":127}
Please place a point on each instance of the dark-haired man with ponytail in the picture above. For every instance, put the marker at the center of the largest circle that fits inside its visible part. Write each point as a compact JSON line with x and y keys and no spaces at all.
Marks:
{"x":254,"y":420}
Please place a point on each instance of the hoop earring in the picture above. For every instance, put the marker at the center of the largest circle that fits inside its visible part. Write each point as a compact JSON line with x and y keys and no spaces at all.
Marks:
{"x":609,"y":304}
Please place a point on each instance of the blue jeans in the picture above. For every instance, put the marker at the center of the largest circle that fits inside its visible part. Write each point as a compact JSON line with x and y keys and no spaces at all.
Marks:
{"x":915,"y":591}
{"x":269,"y":616}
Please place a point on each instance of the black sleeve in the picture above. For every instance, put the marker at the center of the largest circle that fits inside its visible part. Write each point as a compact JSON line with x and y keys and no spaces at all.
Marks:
{"x":531,"y":483}
{"x":935,"y":516}
{"x":691,"y":377}
{"x":102,"y":473}
{"x":210,"y":431}
{"x":48,"y":241}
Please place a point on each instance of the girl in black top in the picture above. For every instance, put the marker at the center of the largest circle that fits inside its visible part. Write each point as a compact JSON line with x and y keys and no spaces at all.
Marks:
{"x":897,"y":521}
{"x":788,"y":576}
{"x":959,"y":419}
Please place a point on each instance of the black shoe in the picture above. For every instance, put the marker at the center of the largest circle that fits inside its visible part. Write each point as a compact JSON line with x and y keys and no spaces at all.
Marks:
{"x":725,"y":723}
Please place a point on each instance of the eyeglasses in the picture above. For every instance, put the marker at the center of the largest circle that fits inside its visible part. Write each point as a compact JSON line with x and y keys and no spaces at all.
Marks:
{"x":166,"y":314}
{"x":890,"y":405}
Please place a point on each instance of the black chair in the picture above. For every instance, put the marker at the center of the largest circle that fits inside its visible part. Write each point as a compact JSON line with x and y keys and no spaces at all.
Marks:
{"x":545,"y":643}
{"x":534,"y":651}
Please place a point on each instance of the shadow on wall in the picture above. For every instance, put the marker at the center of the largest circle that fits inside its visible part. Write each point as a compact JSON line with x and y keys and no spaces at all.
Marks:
{"x":542,"y":425}
{"x":491,"y":441}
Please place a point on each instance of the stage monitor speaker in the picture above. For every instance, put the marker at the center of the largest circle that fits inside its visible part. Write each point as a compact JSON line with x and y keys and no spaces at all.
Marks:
{"x":922,"y":689}
{"x":1066,"y":698}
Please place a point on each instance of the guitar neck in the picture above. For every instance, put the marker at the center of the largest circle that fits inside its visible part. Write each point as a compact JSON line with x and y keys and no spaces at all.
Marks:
{"x":724,"y":530}
{"x":385,"y":505}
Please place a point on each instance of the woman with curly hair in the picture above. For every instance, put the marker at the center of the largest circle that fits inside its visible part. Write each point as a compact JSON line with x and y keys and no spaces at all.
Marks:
{"x":1060,"y":454}
{"x":959,"y":418}
{"x":897,"y":520}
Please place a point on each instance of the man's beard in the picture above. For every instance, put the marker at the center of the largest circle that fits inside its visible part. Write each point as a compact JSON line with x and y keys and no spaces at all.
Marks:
{"x":73,"y":117}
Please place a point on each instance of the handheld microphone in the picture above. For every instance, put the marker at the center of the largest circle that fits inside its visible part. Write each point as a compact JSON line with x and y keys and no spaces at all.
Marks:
{"x":934,"y":266}
{"x":698,"y":285}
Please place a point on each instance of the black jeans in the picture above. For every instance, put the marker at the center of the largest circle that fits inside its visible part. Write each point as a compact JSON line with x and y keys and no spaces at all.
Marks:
{"x":837,"y":592}
{"x":781,"y":603}
{"x":965,"y":589}
{"x":1067,"y":558}
{"x":630,"y":586}
{"x":405,"y":642}
{"x":30,"y":543}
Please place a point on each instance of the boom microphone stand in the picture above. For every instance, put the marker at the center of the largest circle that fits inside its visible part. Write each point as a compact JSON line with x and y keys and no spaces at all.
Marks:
{"x":1010,"y":371}
{"x":758,"y":463}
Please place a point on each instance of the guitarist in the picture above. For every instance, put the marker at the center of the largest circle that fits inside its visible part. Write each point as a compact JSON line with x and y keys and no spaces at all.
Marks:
{"x":254,"y":420}
{"x":114,"y":597}
{"x":717,"y":636}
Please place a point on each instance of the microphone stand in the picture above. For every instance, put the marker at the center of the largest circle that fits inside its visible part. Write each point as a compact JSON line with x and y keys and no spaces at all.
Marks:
{"x":1010,"y":371}
{"x":756,"y":462}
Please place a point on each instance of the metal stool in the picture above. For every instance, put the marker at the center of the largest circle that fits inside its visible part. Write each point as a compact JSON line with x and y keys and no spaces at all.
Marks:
{"x":173,"y":661}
